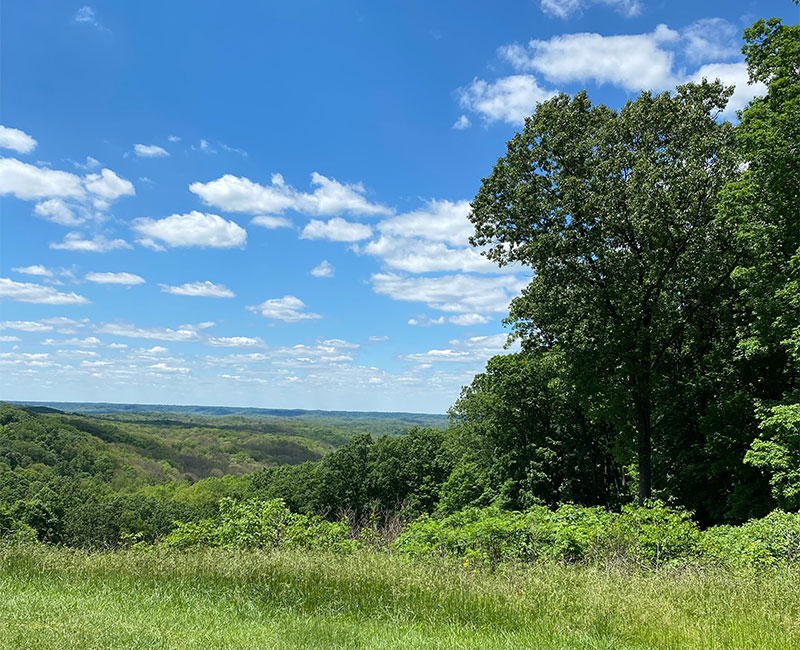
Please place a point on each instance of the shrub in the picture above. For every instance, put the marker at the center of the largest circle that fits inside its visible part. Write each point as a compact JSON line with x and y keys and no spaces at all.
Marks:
{"x":651,"y":536}
{"x":261,"y":524}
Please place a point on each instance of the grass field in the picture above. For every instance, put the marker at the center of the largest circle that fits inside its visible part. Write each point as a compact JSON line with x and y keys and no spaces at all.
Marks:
{"x":52,"y":598}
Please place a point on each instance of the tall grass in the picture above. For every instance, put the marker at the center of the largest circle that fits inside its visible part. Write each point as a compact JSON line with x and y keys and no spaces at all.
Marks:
{"x":216,"y":598}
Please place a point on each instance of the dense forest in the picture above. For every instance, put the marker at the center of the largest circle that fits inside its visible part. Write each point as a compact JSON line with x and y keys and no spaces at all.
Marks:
{"x":660,"y":342}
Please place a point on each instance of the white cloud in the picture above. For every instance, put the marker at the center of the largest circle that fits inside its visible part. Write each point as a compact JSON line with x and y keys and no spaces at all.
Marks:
{"x":88,"y":16}
{"x":476,"y":349}
{"x":270,"y":222}
{"x":467,"y":320}
{"x":336,"y":229}
{"x":108,"y":185}
{"x":566,"y":8}
{"x":15,"y":139}
{"x":192,"y":229}
{"x":226,"y":147}
{"x":57,"y":211}
{"x":423,"y":320}
{"x":633,"y":62}
{"x":87,"y":342}
{"x":289,"y":309}
{"x":239,"y":194}
{"x":163,"y":367}
{"x":416,"y":242}
{"x":199,"y":289}
{"x":150,"y":151}
{"x":36,"y":269}
{"x":234,"y":341}
{"x":323,"y":270}
{"x":377,"y":339}
{"x":31,"y":292}
{"x":155,"y":333}
{"x":451,"y":293}
{"x":419,"y":256}
{"x":91,"y":163}
{"x":64,"y":325}
{"x":439,"y":220}
{"x":510,"y":99}
{"x":26,"y":326}
{"x":732,"y":74}
{"x":710,"y":39}
{"x":75,"y":241}
{"x":463,"y":122}
{"x":128,"y":279}
{"x":31,"y":182}
{"x":9,"y":339}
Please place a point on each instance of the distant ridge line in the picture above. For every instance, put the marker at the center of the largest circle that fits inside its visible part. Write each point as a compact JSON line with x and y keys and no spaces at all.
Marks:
{"x":118,"y":407}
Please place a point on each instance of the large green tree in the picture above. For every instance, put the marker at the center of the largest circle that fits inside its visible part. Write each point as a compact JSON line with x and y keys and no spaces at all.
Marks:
{"x":615,"y":213}
{"x":765,"y":202}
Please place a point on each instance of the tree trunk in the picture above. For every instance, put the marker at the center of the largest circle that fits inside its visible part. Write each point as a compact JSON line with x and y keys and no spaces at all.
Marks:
{"x":644,"y":407}
{"x":645,"y":453}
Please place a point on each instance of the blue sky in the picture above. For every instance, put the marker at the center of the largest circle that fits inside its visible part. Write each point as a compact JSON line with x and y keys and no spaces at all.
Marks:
{"x":265,"y":204}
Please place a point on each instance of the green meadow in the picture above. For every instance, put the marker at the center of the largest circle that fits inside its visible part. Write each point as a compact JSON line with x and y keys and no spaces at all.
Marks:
{"x":217,"y":598}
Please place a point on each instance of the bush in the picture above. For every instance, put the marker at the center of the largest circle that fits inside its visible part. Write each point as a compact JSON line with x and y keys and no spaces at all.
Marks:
{"x":261,"y":524}
{"x":650,"y":536}
{"x":768,"y":541}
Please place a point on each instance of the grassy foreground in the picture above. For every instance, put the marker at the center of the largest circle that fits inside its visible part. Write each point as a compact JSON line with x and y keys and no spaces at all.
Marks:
{"x":51,"y":598}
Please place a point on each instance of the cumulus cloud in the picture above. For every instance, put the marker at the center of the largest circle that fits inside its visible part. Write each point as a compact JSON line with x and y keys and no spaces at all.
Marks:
{"x":91,"y":163}
{"x":107,"y":185}
{"x":234,"y":341}
{"x":463,"y":122}
{"x":323,"y":270}
{"x":423,"y":320}
{"x":439,"y":220}
{"x":510,"y":99}
{"x":420,"y":256}
{"x":199,"y":289}
{"x":432,"y":238}
{"x":149,"y":151}
{"x":289,"y":309}
{"x":75,"y":241}
{"x":711,"y":39}
{"x":655,"y":60}
{"x":163,"y":367}
{"x":192,"y":229}
{"x":28,"y":182}
{"x":16,"y":140}
{"x":156,"y":333}
{"x":732,"y":74}
{"x":57,"y":211}
{"x":451,"y":293}
{"x":36,"y":269}
{"x":476,"y":349}
{"x":467,"y":320}
{"x":270,"y":222}
{"x":330,"y":197}
{"x":32,"y":182}
{"x":336,"y":229}
{"x":26,"y":326}
{"x":128,"y":279}
{"x":567,"y":8}
{"x":633,"y":62}
{"x":31,"y":292}
{"x":9,"y":339}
